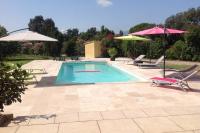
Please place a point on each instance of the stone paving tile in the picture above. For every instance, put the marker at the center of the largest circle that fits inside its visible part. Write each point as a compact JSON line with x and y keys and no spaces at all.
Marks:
{"x":135,"y":113}
{"x":42,"y":119}
{"x":175,"y":110}
{"x":112,"y":115}
{"x":79,"y":127}
{"x":155,"y":112}
{"x":119,"y":126}
{"x":67,"y":117}
{"x":88,"y":116}
{"x":101,"y":97}
{"x":8,"y":129}
{"x":157,"y":125}
{"x":187,"y":122}
{"x":197,"y":131}
{"x":182,"y":110}
{"x":50,"y":128}
{"x":182,"y":132}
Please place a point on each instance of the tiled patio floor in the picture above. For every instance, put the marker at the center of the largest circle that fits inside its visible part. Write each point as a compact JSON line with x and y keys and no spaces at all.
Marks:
{"x":104,"y":108}
{"x":96,"y":122}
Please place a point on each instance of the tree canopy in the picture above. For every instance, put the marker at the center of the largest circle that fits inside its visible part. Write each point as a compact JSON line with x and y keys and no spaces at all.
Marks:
{"x":141,"y":26}
{"x":71,"y":42}
{"x":188,"y":20}
{"x":3,"y":31}
{"x":47,"y":27}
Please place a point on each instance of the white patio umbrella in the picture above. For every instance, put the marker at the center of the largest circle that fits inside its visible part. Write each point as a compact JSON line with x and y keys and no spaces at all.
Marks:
{"x":27,"y":36}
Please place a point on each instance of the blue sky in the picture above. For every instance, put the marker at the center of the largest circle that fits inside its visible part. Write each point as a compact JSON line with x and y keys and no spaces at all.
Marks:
{"x":83,"y":14}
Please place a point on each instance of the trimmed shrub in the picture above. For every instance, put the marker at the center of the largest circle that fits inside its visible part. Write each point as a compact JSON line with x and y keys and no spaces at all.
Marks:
{"x":178,"y":51}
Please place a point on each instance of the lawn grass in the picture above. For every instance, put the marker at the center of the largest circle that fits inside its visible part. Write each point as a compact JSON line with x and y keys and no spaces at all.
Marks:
{"x":180,"y":66}
{"x":22,"y":59}
{"x":174,"y":65}
{"x":26,"y":57}
{"x":177,"y":66}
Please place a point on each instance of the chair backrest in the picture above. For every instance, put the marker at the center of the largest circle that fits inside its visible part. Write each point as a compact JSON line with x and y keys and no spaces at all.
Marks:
{"x":140,"y":57}
{"x":190,"y":68}
{"x":159,"y":60}
{"x":192,"y":74}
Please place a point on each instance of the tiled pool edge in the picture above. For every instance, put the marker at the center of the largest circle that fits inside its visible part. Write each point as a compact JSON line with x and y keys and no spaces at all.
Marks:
{"x":126,"y":71}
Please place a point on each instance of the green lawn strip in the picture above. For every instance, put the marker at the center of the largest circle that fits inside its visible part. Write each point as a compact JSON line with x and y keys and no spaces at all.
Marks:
{"x":176,"y":66}
{"x":26,"y":57}
{"x":23,"y":59}
{"x":21,"y":62}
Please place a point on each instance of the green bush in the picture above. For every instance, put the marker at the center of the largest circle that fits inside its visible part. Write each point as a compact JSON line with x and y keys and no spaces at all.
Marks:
{"x":70,"y":48}
{"x":156,"y":48}
{"x":12,"y":85}
{"x":178,"y":51}
{"x":170,"y":53}
{"x":125,"y":46}
{"x":195,"y":58}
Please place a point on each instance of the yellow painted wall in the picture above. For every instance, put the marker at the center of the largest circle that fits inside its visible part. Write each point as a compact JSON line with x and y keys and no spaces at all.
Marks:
{"x":92,"y":49}
{"x":89,"y":50}
{"x":97,"y":47}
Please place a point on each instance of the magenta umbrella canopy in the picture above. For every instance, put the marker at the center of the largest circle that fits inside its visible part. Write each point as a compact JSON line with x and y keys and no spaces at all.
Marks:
{"x":157,"y":31}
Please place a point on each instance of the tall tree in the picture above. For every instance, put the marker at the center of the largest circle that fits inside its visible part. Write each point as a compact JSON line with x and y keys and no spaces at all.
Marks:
{"x":47,"y":27}
{"x":89,"y":34}
{"x":121,"y":33}
{"x":70,"y":46}
{"x":141,"y":26}
{"x":184,"y":20}
{"x":3,"y":31}
{"x":37,"y":24}
{"x":190,"y":21}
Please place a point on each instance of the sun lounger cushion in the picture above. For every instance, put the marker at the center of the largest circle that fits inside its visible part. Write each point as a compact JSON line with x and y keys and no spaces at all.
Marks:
{"x":164,"y":79}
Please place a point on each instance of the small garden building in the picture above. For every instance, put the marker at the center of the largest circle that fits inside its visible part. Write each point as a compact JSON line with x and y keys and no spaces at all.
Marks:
{"x":92,"y":49}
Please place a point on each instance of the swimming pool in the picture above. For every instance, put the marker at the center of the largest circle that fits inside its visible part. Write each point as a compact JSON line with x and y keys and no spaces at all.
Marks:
{"x":91,"y":72}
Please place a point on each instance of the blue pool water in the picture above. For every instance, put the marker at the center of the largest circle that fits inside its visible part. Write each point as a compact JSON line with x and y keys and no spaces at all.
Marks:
{"x":91,"y":72}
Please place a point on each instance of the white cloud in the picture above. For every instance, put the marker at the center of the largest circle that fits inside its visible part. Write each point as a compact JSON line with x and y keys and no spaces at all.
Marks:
{"x":104,"y":3}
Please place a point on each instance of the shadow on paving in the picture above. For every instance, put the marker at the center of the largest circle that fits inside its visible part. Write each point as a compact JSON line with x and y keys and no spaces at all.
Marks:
{"x":50,"y":82}
{"x":25,"y":119}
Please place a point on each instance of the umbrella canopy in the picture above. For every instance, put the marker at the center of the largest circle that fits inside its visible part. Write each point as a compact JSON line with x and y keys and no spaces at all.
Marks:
{"x":158,"y":31}
{"x":131,"y":38}
{"x":27,"y":36}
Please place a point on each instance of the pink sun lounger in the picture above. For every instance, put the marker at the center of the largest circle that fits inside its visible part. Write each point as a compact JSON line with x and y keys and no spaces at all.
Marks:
{"x":166,"y":80}
{"x":182,"y":83}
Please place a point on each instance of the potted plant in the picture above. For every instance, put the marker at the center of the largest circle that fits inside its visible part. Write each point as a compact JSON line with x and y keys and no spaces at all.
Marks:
{"x":112,"y":53}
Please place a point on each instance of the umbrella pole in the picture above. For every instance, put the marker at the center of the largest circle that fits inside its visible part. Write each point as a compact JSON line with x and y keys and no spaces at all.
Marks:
{"x":134,"y":50}
{"x":164,"y":48}
{"x":132,"y":42}
{"x":150,"y":52}
{"x":164,"y":62}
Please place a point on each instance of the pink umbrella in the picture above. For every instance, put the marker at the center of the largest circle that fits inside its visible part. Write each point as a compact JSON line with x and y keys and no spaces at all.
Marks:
{"x":159,"y":31}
